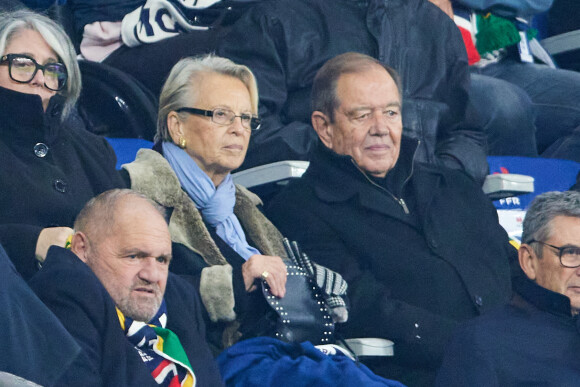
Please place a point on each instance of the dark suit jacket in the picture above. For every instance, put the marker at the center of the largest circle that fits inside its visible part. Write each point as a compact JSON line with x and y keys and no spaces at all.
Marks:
{"x":411,"y":277}
{"x":71,"y":290}
{"x":36,"y":345}
{"x":533,"y":341}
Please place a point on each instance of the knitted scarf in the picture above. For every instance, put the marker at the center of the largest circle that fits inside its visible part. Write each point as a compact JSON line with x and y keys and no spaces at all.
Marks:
{"x":160,"y":349}
{"x":215,"y":204}
{"x":495,"y":32}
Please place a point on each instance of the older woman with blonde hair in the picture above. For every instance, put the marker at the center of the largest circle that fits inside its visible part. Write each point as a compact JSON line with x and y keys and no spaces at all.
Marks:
{"x":207,"y":111}
{"x":50,"y":166}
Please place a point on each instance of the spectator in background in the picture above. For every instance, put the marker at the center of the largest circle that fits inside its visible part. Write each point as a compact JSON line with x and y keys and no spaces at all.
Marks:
{"x":419,"y":245}
{"x":535,"y":339}
{"x":136,"y":323}
{"x":286,"y":42}
{"x":131,"y":35}
{"x":50,"y":166}
{"x":528,"y":107}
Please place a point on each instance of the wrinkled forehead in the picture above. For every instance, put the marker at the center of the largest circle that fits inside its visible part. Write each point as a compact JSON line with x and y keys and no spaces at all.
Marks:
{"x":373,"y":87}
{"x":130,"y":215}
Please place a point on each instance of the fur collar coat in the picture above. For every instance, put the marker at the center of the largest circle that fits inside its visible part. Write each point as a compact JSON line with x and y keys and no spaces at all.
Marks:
{"x":152,"y":175}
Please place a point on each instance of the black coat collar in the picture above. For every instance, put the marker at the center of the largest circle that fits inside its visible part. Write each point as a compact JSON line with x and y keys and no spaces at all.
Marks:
{"x":542,"y":298}
{"x":336,"y":178}
{"x":22,"y":115}
{"x":331,"y":174}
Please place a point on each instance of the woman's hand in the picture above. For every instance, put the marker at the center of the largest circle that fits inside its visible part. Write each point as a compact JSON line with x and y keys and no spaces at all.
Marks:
{"x":51,"y":236}
{"x":273,"y":269}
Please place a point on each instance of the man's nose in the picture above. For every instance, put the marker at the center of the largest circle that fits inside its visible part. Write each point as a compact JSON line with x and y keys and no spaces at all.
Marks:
{"x":151,"y":270}
{"x":380,"y":125}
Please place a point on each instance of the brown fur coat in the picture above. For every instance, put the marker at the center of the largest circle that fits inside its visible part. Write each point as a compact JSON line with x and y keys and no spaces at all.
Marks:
{"x":152,"y":175}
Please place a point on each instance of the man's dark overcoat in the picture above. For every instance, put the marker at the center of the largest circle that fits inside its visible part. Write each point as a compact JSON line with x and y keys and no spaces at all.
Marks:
{"x":411,"y":277}
{"x":76,"y":296}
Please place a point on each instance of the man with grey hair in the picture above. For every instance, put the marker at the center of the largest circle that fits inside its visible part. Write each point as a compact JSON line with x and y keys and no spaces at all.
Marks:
{"x":419,"y":245}
{"x":136,"y":323}
{"x":535,"y":339}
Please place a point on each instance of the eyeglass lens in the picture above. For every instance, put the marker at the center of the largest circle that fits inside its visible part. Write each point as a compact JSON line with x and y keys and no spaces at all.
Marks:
{"x":570,"y":256}
{"x":23,"y":69}
{"x":226,"y":117}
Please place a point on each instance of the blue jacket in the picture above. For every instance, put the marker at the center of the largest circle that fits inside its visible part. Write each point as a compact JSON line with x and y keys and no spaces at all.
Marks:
{"x":507,"y":8}
{"x":36,"y":345}
{"x":533,"y":341}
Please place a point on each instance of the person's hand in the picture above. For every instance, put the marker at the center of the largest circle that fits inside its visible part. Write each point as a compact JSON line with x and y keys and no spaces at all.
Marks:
{"x":445,"y":6}
{"x":51,"y":236}
{"x":270,"y":268}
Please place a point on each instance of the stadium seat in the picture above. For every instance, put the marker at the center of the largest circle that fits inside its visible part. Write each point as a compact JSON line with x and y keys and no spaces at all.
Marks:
{"x":126,"y":148}
{"x":114,"y":104}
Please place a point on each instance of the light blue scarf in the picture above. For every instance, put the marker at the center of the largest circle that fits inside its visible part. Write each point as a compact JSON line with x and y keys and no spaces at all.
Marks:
{"x":216,"y":205}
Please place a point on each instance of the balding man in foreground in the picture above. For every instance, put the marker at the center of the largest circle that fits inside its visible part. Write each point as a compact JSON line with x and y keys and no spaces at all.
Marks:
{"x":137,"y":324}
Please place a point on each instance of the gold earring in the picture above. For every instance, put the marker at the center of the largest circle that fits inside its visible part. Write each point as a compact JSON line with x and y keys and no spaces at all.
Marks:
{"x":182,"y":142}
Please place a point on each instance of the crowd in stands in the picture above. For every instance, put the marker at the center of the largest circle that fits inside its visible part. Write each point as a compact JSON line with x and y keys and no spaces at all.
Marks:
{"x":165,"y":272}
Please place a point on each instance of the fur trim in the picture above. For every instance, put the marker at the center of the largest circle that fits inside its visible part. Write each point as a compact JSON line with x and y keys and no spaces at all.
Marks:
{"x":152,"y":175}
{"x":217,"y":292}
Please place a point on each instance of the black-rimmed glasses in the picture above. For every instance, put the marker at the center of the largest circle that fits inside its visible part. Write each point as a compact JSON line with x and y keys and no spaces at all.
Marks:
{"x":569,"y":255}
{"x":23,"y":68}
{"x":223,"y":116}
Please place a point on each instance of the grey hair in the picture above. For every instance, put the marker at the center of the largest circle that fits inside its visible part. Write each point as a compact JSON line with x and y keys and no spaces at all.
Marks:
{"x":11,"y":23}
{"x":324,"y":97}
{"x":98,"y":215}
{"x":545,"y":207}
{"x":180,"y":87}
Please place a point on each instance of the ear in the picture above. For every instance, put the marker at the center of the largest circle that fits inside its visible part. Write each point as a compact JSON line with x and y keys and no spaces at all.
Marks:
{"x":323,"y":127}
{"x":80,"y":245}
{"x":528,"y":261}
{"x":175,"y":127}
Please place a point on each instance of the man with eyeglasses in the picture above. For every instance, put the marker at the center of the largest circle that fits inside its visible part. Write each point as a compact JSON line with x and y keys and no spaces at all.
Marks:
{"x":535,"y":339}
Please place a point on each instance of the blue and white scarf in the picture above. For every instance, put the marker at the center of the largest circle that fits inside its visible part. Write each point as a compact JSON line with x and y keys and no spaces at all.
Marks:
{"x":216,"y":205}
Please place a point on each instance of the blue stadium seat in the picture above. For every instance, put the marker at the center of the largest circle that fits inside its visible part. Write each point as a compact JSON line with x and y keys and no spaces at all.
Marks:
{"x":126,"y":148}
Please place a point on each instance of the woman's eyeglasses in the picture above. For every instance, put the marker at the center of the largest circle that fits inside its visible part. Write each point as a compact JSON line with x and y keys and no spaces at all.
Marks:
{"x":23,"y":68}
{"x":223,"y":116}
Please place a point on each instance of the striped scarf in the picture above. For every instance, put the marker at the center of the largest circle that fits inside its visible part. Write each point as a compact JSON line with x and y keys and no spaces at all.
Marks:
{"x":159,"y":349}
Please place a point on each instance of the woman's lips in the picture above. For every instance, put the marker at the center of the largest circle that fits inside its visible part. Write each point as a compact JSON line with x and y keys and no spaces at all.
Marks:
{"x":235,"y":147}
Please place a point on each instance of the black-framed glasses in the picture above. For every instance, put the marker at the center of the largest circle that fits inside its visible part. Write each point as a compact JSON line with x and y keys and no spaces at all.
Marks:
{"x":23,"y":68}
{"x":223,"y":116}
{"x":569,"y":255}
